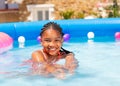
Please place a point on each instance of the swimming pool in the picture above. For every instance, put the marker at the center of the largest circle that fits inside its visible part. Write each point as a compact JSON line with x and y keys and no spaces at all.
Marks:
{"x":98,"y":58}
{"x":98,"y":64}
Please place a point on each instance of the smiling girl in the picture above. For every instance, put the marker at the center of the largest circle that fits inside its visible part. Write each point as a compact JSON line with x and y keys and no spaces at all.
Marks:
{"x":46,"y":60}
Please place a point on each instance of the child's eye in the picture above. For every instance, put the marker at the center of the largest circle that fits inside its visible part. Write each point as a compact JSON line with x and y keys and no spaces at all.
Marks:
{"x":57,"y":40}
{"x":47,"y":40}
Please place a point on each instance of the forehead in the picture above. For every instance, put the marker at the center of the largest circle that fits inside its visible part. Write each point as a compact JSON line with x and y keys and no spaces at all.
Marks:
{"x":51,"y":32}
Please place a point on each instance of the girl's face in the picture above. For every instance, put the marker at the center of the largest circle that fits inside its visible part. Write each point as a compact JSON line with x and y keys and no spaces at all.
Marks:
{"x":51,"y":41}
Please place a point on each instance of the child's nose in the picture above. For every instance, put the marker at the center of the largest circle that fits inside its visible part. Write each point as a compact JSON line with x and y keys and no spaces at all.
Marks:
{"x":52,"y":43}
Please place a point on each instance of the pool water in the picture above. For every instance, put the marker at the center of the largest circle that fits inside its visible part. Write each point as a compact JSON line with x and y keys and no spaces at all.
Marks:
{"x":98,"y":64}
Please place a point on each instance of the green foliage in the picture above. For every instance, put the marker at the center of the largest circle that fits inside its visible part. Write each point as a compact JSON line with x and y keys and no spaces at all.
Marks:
{"x":79,"y":15}
{"x":67,"y":14}
{"x":114,"y":10}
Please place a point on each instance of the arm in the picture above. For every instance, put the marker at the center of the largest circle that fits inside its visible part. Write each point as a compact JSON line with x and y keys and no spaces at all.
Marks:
{"x":71,"y":63}
{"x":38,"y":63}
{"x":40,"y":66}
{"x":37,"y":59}
{"x":56,"y":70}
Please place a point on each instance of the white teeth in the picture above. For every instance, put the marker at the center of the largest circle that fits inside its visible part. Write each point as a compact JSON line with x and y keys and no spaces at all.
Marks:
{"x":52,"y":48}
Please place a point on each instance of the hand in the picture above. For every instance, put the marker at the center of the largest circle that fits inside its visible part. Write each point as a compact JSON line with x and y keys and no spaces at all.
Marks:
{"x":59,"y":73}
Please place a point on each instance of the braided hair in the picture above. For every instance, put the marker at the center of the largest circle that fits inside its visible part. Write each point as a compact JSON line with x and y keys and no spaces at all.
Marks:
{"x":56,"y":27}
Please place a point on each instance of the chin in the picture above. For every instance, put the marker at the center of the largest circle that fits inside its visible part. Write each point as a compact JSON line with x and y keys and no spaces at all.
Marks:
{"x":53,"y":54}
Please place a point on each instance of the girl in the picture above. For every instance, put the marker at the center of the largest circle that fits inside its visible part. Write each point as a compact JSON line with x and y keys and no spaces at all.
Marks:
{"x":45,"y":61}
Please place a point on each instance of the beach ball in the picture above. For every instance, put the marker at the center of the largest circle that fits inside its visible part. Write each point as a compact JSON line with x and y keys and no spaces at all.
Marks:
{"x":66,"y":37}
{"x":117,"y":35}
{"x":90,"y":35}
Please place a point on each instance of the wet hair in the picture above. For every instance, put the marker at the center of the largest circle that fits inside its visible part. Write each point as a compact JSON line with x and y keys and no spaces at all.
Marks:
{"x":52,"y":25}
{"x":66,"y":51}
{"x":56,"y":27}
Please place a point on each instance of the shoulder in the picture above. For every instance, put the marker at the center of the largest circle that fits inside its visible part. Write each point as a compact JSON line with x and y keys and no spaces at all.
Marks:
{"x":69,"y":56}
{"x":70,"y":59}
{"x":37,"y":56}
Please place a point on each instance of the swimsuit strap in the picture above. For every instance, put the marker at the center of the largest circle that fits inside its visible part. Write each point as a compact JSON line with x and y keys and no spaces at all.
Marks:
{"x":44,"y":56}
{"x":60,"y":53}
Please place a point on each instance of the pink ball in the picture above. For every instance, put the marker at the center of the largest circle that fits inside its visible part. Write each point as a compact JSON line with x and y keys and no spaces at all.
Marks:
{"x":38,"y":38}
{"x":5,"y":39}
{"x":66,"y":37}
{"x":117,"y":35}
{"x":6,"y":42}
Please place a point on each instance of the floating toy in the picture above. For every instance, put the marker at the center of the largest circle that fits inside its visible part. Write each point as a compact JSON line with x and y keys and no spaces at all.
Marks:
{"x":6,"y":42}
{"x":21,"y":41}
{"x":66,"y":37}
{"x":38,"y":38}
{"x":117,"y":35}
{"x":90,"y":35}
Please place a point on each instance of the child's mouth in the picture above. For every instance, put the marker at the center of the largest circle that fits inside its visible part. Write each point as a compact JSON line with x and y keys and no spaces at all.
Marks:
{"x":52,"y":49}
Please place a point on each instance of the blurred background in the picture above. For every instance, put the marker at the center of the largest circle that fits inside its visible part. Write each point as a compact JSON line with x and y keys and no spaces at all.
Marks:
{"x":36,"y":10}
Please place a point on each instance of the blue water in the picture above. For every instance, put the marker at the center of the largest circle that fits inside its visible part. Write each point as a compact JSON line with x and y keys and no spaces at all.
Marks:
{"x":98,"y":64}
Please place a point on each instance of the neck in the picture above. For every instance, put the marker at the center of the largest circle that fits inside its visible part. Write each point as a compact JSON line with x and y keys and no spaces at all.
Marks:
{"x":50,"y":58}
